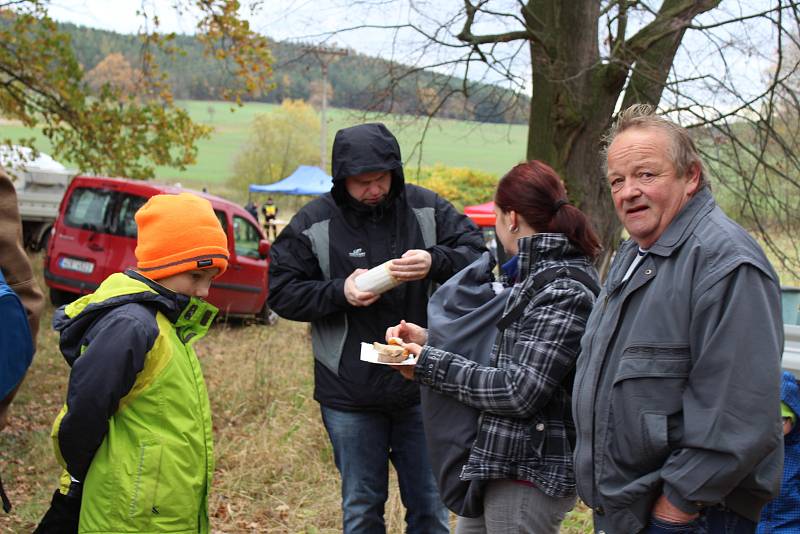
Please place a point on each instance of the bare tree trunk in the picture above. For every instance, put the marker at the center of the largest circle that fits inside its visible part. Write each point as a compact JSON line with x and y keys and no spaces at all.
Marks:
{"x":572,"y":104}
{"x":575,"y":94}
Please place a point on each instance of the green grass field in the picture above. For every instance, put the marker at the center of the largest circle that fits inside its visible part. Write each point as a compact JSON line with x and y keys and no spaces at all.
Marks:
{"x":492,"y":148}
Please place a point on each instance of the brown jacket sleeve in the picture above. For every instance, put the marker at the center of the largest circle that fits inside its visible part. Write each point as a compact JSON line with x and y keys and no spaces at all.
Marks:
{"x":14,"y":263}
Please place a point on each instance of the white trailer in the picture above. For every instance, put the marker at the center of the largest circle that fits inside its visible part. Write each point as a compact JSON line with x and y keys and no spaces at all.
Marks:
{"x":40,"y":182}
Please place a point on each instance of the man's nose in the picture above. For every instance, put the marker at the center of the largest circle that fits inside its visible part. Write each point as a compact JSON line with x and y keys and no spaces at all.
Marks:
{"x":630,"y":189}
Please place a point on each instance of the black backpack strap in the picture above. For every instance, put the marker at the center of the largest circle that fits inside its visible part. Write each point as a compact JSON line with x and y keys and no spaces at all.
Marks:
{"x":4,"y":497}
{"x":579,"y":275}
{"x":541,"y":280}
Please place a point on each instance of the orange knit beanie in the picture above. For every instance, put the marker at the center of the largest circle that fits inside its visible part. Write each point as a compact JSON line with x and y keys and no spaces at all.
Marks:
{"x":179,"y":233}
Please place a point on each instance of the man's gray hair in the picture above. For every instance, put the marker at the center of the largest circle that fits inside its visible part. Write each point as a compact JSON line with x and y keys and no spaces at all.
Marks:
{"x":682,"y":153}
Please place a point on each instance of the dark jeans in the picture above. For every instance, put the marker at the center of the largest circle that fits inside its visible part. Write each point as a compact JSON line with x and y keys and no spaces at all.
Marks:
{"x":713,"y":520}
{"x":363,"y":444}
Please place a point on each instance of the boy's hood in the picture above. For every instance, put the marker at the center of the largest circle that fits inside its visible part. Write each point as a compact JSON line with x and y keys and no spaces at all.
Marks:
{"x":73,"y":320}
{"x":790,"y":394}
{"x":365,"y":148}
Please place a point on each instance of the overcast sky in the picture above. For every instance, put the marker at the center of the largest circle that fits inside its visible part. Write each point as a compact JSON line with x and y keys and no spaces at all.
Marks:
{"x":304,"y":20}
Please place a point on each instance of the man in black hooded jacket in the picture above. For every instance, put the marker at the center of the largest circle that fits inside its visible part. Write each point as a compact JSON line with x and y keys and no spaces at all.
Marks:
{"x":371,"y":413}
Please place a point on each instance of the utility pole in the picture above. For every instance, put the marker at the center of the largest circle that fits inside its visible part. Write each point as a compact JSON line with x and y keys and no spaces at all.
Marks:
{"x":325,"y":55}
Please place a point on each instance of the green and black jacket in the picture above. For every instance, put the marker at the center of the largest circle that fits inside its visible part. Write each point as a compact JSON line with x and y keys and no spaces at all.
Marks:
{"x":136,"y":426}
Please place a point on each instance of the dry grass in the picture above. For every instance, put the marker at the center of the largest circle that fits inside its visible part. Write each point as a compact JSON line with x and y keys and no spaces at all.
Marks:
{"x":275,"y":470}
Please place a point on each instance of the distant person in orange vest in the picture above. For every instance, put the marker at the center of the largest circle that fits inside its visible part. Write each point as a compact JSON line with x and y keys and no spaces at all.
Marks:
{"x":270,"y":212}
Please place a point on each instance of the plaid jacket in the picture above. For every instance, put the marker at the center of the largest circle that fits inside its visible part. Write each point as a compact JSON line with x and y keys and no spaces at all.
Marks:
{"x":525,"y":430}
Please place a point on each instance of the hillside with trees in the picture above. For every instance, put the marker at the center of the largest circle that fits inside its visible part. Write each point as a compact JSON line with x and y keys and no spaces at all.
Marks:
{"x":119,"y":128}
{"x":356,"y":81}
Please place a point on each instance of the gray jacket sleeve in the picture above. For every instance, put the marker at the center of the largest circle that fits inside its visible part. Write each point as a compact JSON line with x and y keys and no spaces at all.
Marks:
{"x":297,"y":288}
{"x":731,"y":401}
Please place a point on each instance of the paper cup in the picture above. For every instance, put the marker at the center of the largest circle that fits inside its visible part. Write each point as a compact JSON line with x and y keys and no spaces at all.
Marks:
{"x":377,"y":280}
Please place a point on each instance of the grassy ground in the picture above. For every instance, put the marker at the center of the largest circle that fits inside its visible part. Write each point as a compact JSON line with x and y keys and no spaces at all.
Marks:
{"x":275,"y":471}
{"x":492,"y":148}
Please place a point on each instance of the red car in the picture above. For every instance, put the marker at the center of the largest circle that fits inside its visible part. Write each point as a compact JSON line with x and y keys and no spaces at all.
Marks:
{"x":483,"y":216}
{"x":94,"y":236}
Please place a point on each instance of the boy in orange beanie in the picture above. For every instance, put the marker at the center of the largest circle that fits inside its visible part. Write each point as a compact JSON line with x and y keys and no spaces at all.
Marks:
{"x":134,"y":436}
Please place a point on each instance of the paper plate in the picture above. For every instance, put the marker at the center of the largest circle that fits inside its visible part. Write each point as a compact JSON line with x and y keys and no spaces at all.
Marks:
{"x":369,"y":354}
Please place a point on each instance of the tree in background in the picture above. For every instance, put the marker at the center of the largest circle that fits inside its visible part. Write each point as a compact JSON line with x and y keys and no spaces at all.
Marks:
{"x":279,"y":141}
{"x":116,"y":72}
{"x":583,"y":60}
{"x":43,"y":85}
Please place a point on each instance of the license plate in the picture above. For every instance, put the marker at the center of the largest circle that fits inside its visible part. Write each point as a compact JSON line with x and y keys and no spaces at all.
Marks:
{"x":69,"y":264}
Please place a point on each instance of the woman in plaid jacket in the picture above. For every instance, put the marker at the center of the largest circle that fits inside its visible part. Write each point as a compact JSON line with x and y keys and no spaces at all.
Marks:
{"x":526,"y":434}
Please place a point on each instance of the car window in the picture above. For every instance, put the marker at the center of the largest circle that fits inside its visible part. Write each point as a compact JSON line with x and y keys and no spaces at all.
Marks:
{"x":88,"y":209}
{"x":123,"y":222}
{"x":223,"y":220}
{"x":246,"y":236}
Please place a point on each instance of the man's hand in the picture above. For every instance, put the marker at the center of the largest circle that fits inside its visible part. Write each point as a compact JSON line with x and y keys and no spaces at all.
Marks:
{"x":413,"y":265}
{"x":666,"y":511}
{"x":353,"y":295}
{"x":408,"y":332}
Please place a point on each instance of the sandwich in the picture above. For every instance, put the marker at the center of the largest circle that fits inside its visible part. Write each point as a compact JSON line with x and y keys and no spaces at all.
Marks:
{"x":391,"y":353}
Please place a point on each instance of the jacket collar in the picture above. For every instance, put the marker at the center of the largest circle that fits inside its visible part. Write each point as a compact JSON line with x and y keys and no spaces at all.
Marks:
{"x":684,"y":223}
{"x":538,"y":251}
{"x":191,"y":316}
{"x":673,"y":237}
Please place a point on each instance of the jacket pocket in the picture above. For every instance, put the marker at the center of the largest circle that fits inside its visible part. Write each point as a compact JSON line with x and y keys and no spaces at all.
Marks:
{"x":144,"y":470}
{"x":667,"y":361}
{"x":646,"y":404}
{"x":537,"y":439}
{"x":655,"y":434}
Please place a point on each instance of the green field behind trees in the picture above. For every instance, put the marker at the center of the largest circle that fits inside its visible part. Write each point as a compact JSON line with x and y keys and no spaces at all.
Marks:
{"x":492,"y":148}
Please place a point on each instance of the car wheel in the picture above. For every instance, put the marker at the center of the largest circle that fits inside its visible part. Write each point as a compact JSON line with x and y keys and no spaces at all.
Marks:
{"x":44,"y":241}
{"x":60,"y":298}
{"x":267,"y":316}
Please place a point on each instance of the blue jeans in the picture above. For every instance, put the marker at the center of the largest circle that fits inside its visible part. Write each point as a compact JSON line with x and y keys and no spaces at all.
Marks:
{"x":713,"y":520}
{"x":363,"y":443}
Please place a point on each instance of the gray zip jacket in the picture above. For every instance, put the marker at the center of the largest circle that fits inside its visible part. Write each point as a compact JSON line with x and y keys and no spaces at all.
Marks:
{"x":678,"y":382}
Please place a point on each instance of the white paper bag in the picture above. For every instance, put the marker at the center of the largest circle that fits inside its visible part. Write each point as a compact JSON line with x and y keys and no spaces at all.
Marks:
{"x":377,"y":280}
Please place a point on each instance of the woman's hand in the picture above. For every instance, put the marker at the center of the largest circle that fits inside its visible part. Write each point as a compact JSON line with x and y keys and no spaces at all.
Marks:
{"x":408,"y":332}
{"x":407,"y":370}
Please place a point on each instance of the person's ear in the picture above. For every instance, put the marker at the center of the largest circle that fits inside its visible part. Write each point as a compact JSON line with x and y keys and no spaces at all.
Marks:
{"x":693,"y":177}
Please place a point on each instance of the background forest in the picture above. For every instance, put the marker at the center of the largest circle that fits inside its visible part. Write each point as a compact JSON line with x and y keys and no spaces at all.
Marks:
{"x":107,"y":56}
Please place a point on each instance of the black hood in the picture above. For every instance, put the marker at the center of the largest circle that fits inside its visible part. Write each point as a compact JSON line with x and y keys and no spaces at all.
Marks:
{"x":74,"y":320}
{"x":365,"y":148}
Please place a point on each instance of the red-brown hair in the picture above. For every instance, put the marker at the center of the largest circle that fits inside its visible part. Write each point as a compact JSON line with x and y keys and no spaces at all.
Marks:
{"x":537,"y":194}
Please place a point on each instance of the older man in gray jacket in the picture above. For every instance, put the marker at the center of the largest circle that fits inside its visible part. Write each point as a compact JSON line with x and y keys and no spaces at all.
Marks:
{"x":676,"y":397}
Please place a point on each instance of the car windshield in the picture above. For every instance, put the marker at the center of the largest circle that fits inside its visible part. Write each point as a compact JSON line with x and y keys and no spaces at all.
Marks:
{"x":103,"y":210}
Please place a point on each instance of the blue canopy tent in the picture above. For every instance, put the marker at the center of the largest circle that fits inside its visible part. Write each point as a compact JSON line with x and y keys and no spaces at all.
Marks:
{"x":305,"y":180}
